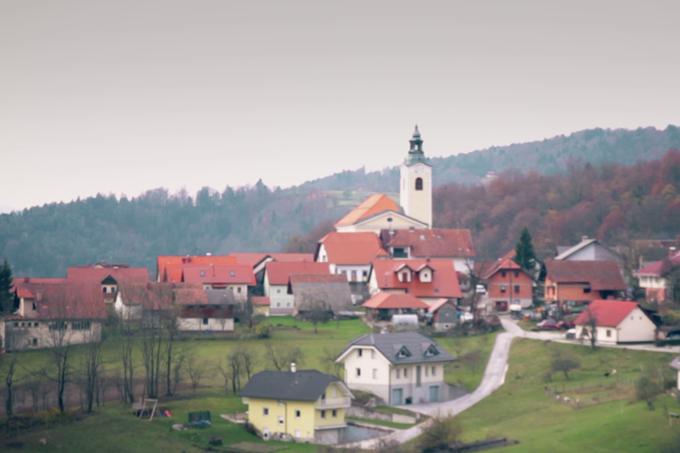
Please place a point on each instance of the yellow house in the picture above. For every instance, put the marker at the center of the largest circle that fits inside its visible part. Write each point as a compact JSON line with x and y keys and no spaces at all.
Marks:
{"x":304,"y":405}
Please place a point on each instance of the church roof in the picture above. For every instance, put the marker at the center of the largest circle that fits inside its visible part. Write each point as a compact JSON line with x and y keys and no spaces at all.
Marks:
{"x":371,"y":206}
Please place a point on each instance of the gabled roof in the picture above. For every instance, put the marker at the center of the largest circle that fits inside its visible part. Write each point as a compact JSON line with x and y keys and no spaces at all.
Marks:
{"x":373,"y":205}
{"x":303,"y":385}
{"x":151,"y":295}
{"x":22,"y":284}
{"x":207,"y":311}
{"x":97,"y":273}
{"x":565,"y":252}
{"x":279,"y":272}
{"x":218,"y":274}
{"x":393,"y":301}
{"x":601,"y":275}
{"x":444,"y":278}
{"x":359,"y":248}
{"x":502,"y":264}
{"x":333,"y":291}
{"x":253,"y":259}
{"x":403,"y":347}
{"x":67,"y":301}
{"x":608,"y":313}
{"x":431,"y":243}
{"x":190,"y":295}
{"x":660,"y":268}
{"x":169,"y":268}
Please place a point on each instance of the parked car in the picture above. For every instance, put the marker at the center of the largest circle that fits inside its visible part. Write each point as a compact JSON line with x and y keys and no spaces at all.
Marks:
{"x":548,"y":324}
{"x":570,"y":334}
{"x":466,"y":316}
{"x":480,"y":289}
{"x":565,"y":325}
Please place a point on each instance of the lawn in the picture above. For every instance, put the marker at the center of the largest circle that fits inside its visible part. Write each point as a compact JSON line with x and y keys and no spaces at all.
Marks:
{"x":472,"y":353}
{"x":607,"y":421}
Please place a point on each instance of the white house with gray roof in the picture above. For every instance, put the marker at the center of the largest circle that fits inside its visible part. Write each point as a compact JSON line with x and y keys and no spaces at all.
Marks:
{"x":400,"y":368}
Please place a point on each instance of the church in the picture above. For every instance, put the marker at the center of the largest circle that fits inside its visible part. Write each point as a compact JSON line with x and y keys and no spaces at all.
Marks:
{"x":398,"y":236}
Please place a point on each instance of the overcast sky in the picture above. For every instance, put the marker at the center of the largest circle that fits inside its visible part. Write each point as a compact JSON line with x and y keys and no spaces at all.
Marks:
{"x":123,"y":96}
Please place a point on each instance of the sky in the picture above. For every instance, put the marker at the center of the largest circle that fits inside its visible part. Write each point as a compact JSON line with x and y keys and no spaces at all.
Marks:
{"x":128,"y":95}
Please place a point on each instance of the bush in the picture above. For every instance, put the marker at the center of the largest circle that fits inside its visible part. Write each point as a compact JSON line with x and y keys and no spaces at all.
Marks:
{"x":263,"y":331}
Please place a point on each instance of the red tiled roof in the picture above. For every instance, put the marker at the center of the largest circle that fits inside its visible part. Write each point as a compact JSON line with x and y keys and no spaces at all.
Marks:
{"x":359,"y":248}
{"x":431,"y":243}
{"x":279,"y":272}
{"x":444,"y":278}
{"x":501,"y":264}
{"x":608,"y":313}
{"x":67,"y":301}
{"x":660,"y":268}
{"x":318,"y":278}
{"x":601,"y":275}
{"x":151,"y":295}
{"x":253,"y":259}
{"x":207,"y":311}
{"x":190,"y":295}
{"x":94,"y":274}
{"x":373,"y":205}
{"x":218,"y":274}
{"x":169,"y":268}
{"x":261,"y":301}
{"x":21,"y":284}
{"x":394,"y":301}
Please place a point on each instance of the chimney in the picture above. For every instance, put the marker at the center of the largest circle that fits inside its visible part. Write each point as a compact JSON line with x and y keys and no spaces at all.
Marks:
{"x":293,"y":368}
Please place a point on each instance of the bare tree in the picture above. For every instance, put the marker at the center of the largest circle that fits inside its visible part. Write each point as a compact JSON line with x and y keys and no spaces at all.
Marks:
{"x":591,"y":330}
{"x":235,"y":368}
{"x":317,"y":312}
{"x":563,"y":364}
{"x":152,"y":348}
{"x":280,"y":357}
{"x":60,"y":355}
{"x":223,"y":369}
{"x":439,"y":434}
{"x":249,"y":360}
{"x":126,"y":354}
{"x":9,"y":386}
{"x":171,"y":331}
{"x":92,"y":370}
{"x":196,"y":371}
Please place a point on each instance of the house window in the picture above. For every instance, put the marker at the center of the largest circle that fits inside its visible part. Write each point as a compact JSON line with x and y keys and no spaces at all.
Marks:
{"x":586,"y":290}
{"x":405,"y":372}
{"x":399,"y":252}
{"x":57,"y":325}
{"x":34,"y":307}
{"x":503,"y":288}
{"x":434,"y":371}
{"x":375,"y":373}
{"x":35,"y":342}
{"x":372,"y":354}
{"x":360,"y":352}
{"x":398,"y":372}
{"x":238,"y":290}
{"x":80,"y":325}
{"x":323,"y":414}
{"x":265,"y":411}
{"x":35,"y":324}
{"x":104,"y":289}
{"x":609,"y":333}
{"x":278,"y":291}
{"x":334,"y":413}
{"x":358,"y":372}
{"x":516,"y":274}
{"x":419,"y":183}
{"x":280,"y":420}
{"x":364,"y":274}
{"x":298,"y":413}
{"x":503,"y":273}
{"x":516,"y":289}
{"x":426,"y":371}
{"x":205,"y":321}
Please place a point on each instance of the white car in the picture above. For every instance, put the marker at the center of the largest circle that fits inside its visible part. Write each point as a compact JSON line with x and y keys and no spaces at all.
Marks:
{"x":480,"y":289}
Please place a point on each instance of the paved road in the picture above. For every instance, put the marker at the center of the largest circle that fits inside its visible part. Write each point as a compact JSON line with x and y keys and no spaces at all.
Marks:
{"x":494,"y":377}
{"x":511,"y":325}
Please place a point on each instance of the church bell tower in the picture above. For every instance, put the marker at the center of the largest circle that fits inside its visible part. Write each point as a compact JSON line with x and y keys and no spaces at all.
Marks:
{"x":415,"y":193}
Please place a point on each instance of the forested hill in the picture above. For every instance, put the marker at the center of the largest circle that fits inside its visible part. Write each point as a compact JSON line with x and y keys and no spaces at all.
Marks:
{"x":43,"y":241}
{"x":549,"y":156}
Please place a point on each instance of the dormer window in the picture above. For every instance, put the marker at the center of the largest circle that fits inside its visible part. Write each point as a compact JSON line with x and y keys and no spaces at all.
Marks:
{"x":404,"y":275}
{"x":403,"y":353}
{"x":431,"y":351}
{"x":425,"y":275}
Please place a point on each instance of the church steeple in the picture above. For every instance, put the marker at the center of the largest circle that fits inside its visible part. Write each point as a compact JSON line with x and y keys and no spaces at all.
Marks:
{"x":415,"y":153}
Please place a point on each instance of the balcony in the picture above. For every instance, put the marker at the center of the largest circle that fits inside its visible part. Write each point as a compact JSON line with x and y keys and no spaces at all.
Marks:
{"x":333,"y":403}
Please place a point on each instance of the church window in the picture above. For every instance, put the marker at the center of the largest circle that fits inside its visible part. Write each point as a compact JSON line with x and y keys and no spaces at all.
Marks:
{"x":419,"y":183}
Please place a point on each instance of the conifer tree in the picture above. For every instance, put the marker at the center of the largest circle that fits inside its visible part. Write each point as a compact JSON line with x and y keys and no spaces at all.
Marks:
{"x":6,"y":283}
{"x":524,"y":251}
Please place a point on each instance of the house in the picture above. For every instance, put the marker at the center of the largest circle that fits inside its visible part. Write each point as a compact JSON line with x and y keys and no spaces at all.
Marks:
{"x":579,"y":282}
{"x":258,"y":261}
{"x":400,"y":368}
{"x":261,"y":305}
{"x":313,"y":291}
{"x":232,"y":278}
{"x":108,"y":276}
{"x":655,"y":278}
{"x":589,"y":249}
{"x":55,"y":315}
{"x":304,"y":405}
{"x":428,"y":280}
{"x":382,"y":306}
{"x":376,"y":213}
{"x":276,"y":277}
{"x":615,"y":322}
{"x":169,"y":268}
{"x":203,"y":311}
{"x":136,"y":300}
{"x":440,"y":243}
{"x":507,"y":284}
{"x":675,"y":364}
{"x":443,"y":315}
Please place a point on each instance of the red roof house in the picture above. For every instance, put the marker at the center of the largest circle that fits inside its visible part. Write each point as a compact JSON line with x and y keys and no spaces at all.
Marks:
{"x":359,"y":248}
{"x":425,"y":279}
{"x":383,"y":306}
{"x":582,"y":281}
{"x":279,"y":272}
{"x":616,"y":321}
{"x":169,"y":268}
{"x":429,"y":243}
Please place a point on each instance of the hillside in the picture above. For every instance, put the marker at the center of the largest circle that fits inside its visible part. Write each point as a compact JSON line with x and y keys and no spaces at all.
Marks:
{"x":43,"y":241}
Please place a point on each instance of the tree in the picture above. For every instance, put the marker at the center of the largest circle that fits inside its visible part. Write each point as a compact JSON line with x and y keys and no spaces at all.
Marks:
{"x":280,"y":357}
{"x":126,"y":354}
{"x":439,"y":434}
{"x":524,"y":251}
{"x":9,"y":386}
{"x":152,"y":348}
{"x":92,"y":370}
{"x":564,"y":364}
{"x":317,"y":312}
{"x":590,"y":330}
{"x":6,"y":284}
{"x":196,"y":371}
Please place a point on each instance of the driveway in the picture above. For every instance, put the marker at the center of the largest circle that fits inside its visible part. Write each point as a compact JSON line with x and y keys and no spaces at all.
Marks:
{"x":494,"y":377}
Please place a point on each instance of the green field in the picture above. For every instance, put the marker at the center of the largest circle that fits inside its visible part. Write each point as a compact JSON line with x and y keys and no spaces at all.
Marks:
{"x":607,"y":421}
{"x":115,"y":429}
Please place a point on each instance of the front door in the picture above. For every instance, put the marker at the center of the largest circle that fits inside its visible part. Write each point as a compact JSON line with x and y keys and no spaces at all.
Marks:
{"x":418,"y":376}
{"x":501,"y":305}
{"x":434,"y":393}
{"x":397,"y":396}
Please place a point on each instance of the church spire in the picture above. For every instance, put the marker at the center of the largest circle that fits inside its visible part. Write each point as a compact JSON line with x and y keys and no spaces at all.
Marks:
{"x":415,"y":152}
